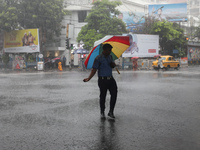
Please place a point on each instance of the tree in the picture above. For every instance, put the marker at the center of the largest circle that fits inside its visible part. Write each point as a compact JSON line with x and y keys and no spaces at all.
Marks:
{"x":146,"y":27}
{"x":102,"y":21}
{"x":8,"y":15}
{"x":46,"y":15}
{"x":171,"y":36}
{"x":5,"y":58}
{"x":197,"y":32}
{"x":43,"y":14}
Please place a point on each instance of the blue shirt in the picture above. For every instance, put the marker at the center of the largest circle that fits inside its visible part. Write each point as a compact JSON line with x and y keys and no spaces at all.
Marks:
{"x":102,"y":63}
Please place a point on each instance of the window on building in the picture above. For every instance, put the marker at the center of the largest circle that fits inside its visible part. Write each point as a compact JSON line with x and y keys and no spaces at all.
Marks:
{"x":82,"y":16}
{"x":194,"y":11}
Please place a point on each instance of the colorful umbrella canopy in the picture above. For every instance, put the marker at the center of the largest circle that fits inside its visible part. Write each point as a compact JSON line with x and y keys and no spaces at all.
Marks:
{"x":119,"y":44}
{"x":57,"y":58}
{"x":158,"y":55}
{"x":134,"y":57}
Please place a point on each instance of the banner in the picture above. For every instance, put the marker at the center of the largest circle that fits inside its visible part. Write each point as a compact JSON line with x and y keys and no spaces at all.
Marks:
{"x":169,"y":12}
{"x":132,"y":19}
{"x":142,"y":45}
{"x":193,"y":53}
{"x":22,"y":41}
{"x":171,"y":1}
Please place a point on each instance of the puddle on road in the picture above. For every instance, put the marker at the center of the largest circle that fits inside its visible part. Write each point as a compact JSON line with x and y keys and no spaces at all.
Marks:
{"x":56,"y":87}
{"x":181,"y":75}
{"x":158,"y":75}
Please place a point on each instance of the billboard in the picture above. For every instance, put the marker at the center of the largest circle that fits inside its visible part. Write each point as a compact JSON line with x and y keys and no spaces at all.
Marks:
{"x":171,"y":1}
{"x":22,"y":41}
{"x":193,"y":53}
{"x":169,"y":12}
{"x":142,"y":45}
{"x":132,"y":19}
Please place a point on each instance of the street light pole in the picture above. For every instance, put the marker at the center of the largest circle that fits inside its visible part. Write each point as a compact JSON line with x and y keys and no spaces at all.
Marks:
{"x":81,"y":42}
{"x":68,"y":45}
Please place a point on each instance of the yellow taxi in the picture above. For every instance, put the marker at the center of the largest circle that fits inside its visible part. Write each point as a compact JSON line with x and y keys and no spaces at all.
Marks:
{"x":167,"y":62}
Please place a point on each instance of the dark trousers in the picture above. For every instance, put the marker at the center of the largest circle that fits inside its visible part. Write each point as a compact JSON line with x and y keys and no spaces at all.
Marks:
{"x":104,"y":85}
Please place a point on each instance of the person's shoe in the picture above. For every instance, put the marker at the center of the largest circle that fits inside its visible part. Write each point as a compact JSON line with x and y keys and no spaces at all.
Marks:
{"x":111,"y":115}
{"x":103,"y":115}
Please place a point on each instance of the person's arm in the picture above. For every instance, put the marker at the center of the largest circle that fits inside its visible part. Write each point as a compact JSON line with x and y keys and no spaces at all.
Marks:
{"x":112,"y":64}
{"x":92,"y":73}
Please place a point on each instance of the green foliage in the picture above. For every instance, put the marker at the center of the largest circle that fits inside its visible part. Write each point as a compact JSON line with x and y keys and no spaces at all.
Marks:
{"x":171,"y":36}
{"x":8,"y":15}
{"x":23,"y":14}
{"x":5,"y":58}
{"x":44,"y":14}
{"x":197,"y":32}
{"x":146,"y":26}
{"x":30,"y":58}
{"x":102,"y":21}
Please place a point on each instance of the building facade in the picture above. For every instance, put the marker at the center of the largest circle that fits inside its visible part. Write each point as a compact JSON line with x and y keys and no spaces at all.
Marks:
{"x":79,"y":9}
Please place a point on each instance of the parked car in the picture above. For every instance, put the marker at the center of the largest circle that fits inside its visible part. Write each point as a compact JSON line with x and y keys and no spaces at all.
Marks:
{"x":168,"y":62}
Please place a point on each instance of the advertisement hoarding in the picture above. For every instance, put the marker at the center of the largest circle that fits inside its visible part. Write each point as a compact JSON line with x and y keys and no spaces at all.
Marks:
{"x":132,"y":19}
{"x":142,"y":45}
{"x":171,"y":1}
{"x":193,"y":53}
{"x":169,"y":12}
{"x":22,"y":41}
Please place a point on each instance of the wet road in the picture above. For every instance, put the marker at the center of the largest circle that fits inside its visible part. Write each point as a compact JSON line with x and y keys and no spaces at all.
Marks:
{"x":57,"y":111}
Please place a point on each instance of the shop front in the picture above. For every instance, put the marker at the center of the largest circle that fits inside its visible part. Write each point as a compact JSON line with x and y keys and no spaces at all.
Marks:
{"x":22,"y":47}
{"x":193,"y":53}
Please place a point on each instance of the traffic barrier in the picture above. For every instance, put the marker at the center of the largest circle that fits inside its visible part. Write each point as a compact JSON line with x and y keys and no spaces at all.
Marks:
{"x":183,"y":62}
{"x":145,"y":64}
{"x":150,"y":64}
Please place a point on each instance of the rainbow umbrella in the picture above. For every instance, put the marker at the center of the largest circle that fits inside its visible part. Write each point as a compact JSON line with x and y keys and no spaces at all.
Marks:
{"x":119,"y":44}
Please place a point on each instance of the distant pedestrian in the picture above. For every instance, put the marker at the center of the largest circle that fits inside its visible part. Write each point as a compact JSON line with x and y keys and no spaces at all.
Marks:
{"x":104,"y":64}
{"x":64,"y":61}
{"x":60,"y":66}
{"x":160,"y":64}
{"x":135,"y":65}
{"x":49,"y":61}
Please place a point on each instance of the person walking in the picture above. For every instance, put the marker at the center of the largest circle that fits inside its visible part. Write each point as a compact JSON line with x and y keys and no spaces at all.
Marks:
{"x":104,"y":64}
{"x":64,"y":61}
{"x":160,"y":64}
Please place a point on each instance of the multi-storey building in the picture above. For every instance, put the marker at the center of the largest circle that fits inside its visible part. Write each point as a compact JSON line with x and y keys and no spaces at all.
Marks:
{"x":72,"y":24}
{"x":194,"y":12}
{"x":194,"y":8}
{"x":165,"y":1}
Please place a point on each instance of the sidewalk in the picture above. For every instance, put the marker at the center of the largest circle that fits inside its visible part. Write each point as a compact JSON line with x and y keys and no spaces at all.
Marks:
{"x":32,"y":70}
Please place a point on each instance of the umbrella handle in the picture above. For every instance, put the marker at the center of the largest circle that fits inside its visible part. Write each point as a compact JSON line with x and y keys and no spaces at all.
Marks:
{"x":117,"y":70}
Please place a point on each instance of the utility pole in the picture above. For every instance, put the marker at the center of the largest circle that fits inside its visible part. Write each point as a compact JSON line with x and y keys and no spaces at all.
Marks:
{"x":67,"y":46}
